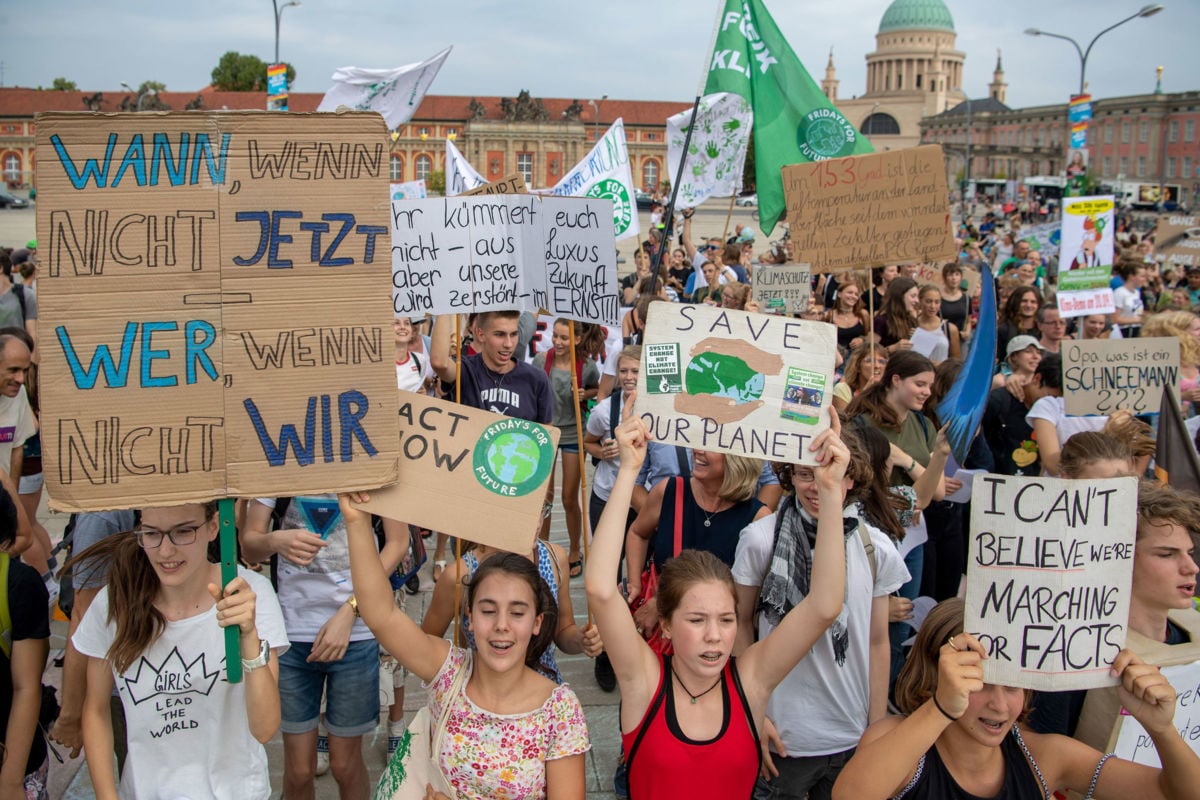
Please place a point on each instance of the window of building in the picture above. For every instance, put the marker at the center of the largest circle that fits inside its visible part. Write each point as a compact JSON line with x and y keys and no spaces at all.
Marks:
{"x":424,"y":166}
{"x":1125,"y":132}
{"x":1107,"y":165}
{"x":1144,"y":132}
{"x":880,"y":124}
{"x":1187,"y":167}
{"x":1039,"y":138}
{"x":1141,"y":166}
{"x":1108,"y":126}
{"x":451,"y":132}
{"x":1124,"y":166}
{"x":1170,"y":166}
{"x":650,"y":175}
{"x":396,"y":169}
{"x":422,"y":131}
{"x":651,"y":136}
{"x":12,"y":168}
{"x":1189,"y":130}
{"x":1173,"y":131}
{"x":525,"y":167}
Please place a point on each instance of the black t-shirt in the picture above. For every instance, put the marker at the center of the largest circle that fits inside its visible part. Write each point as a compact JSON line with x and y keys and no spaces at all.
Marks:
{"x":522,"y":392}
{"x":719,"y":537}
{"x":28,"y":606}
{"x":1005,"y":429}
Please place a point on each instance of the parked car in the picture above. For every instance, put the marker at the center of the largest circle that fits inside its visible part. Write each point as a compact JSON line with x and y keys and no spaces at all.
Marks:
{"x":12,"y":201}
{"x":645,"y":201}
{"x":747,"y":200}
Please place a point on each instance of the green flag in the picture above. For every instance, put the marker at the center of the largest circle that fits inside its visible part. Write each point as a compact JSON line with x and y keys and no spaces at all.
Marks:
{"x":793,"y":120}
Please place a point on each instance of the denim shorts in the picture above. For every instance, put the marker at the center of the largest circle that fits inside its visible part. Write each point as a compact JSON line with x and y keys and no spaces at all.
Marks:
{"x":351,"y":688}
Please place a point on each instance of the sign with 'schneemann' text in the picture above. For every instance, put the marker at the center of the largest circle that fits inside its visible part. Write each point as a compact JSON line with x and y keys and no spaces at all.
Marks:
{"x":734,"y":382}
{"x":213,"y":314}
{"x":1049,"y":576}
{"x":1101,"y":376}
{"x":456,"y":255}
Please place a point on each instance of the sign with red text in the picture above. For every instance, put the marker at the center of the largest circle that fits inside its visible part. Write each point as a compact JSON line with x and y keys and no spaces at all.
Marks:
{"x":1049,"y":576}
{"x":870,"y":210}
{"x":214,"y":310}
{"x":751,"y":385}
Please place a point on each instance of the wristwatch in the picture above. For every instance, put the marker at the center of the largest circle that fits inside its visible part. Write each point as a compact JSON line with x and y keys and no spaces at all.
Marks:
{"x":264,"y":655}
{"x":352,"y":601}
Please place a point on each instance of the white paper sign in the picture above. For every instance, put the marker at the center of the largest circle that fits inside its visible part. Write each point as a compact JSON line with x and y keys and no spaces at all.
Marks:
{"x":456,"y":255}
{"x":1134,"y":744}
{"x":782,"y":288}
{"x":733,"y":382}
{"x":1048,"y":578}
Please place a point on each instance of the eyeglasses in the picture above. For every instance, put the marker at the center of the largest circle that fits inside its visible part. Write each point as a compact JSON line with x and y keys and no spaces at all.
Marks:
{"x":711,"y":247}
{"x":804,"y":475}
{"x":180,"y":535}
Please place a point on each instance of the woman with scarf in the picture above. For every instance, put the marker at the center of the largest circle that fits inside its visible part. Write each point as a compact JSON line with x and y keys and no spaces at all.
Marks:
{"x":817,"y":714}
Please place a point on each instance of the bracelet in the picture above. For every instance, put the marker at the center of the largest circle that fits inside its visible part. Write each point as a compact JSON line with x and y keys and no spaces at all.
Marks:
{"x":945,"y":713}
{"x":912,"y":463}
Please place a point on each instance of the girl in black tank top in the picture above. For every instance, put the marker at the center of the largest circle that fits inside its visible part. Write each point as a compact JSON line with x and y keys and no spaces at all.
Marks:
{"x":960,"y":739}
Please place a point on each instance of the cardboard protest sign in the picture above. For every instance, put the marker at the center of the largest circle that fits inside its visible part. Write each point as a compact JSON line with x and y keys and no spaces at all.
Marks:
{"x":1177,"y":239}
{"x":469,"y":473}
{"x":460,"y":254}
{"x":1103,"y":375}
{"x":871,"y":210}
{"x":1048,"y":578}
{"x":734,"y":382}
{"x":1087,"y":241}
{"x":513,"y":184}
{"x":214,"y":321}
{"x":1133,"y":743}
{"x":782,"y":288}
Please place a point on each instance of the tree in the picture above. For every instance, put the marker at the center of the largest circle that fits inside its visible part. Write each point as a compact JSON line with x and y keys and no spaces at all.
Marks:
{"x":63,"y":85}
{"x":155,"y":86}
{"x":237,"y":72}
{"x":436,"y":182}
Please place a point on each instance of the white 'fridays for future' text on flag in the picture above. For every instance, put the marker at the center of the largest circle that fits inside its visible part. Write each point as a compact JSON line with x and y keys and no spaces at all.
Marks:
{"x":394,"y":93}
{"x":605,"y":173}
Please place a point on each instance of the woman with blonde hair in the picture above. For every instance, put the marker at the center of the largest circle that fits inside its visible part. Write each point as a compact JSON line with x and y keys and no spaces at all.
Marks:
{"x":1184,"y":326}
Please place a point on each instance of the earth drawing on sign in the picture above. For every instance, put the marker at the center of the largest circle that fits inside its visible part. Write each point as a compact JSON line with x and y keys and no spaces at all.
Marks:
{"x":513,"y":457}
{"x":725,"y":378}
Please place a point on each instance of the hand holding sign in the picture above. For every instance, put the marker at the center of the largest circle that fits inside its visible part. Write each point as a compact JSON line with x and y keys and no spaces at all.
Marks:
{"x":960,"y":673}
{"x":1145,"y":693}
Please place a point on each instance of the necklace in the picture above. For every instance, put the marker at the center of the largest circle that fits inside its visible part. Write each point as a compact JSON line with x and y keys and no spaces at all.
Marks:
{"x":708,"y":516}
{"x":694,"y":697}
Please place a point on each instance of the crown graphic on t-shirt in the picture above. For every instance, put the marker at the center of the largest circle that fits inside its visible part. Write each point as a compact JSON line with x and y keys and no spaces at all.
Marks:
{"x":173,"y":677}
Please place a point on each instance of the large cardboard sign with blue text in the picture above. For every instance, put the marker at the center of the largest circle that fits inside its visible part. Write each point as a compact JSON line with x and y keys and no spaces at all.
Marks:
{"x":469,"y":473}
{"x":1049,"y":576}
{"x":214,"y":306}
{"x":495,"y":252}
{"x":752,"y":385}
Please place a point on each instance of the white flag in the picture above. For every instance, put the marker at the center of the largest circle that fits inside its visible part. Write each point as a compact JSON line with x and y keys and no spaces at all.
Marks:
{"x":460,"y":175}
{"x":605,"y":173}
{"x":717,"y":152}
{"x":394,"y":93}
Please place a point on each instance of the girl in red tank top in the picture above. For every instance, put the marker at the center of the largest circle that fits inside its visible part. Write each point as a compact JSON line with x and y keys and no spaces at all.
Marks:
{"x":689,"y":721}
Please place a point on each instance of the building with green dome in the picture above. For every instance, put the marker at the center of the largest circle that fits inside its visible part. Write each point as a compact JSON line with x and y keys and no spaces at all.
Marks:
{"x":914,"y":72}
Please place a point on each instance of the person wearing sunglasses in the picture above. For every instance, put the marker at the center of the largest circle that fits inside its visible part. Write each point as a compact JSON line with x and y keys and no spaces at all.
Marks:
{"x":156,"y":633}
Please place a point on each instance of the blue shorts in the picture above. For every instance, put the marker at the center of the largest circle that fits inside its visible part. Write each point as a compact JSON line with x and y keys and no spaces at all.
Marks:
{"x":351,"y":688}
{"x":569,"y":448}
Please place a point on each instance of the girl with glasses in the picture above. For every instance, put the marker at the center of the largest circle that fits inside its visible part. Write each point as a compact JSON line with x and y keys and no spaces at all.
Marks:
{"x":156,"y":634}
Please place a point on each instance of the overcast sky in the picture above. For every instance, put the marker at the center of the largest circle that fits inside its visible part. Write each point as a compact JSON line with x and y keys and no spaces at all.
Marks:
{"x":628,"y":49}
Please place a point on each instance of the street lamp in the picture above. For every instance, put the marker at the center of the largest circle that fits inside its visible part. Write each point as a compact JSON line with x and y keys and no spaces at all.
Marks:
{"x":1144,"y":11}
{"x":141,"y":98}
{"x":279,"y":13}
{"x":595,"y":104}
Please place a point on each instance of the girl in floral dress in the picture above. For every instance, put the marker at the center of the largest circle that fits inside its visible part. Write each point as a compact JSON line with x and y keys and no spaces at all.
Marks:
{"x":511,"y":733}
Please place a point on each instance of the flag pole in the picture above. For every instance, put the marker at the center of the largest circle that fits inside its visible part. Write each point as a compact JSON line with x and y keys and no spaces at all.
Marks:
{"x":657,"y":256}
{"x":728,"y":218}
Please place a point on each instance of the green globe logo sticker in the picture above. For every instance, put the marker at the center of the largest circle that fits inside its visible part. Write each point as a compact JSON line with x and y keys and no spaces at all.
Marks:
{"x":824,"y":133}
{"x":609,"y":189}
{"x":513,"y":457}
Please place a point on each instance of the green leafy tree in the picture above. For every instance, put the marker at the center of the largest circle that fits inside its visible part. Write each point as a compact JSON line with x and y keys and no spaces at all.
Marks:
{"x":237,"y":72}
{"x":63,"y":85}
{"x":154,"y":86}
{"x":436,"y":182}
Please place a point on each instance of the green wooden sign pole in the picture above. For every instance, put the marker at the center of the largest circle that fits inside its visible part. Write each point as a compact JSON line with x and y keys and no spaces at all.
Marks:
{"x":233,"y":644}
